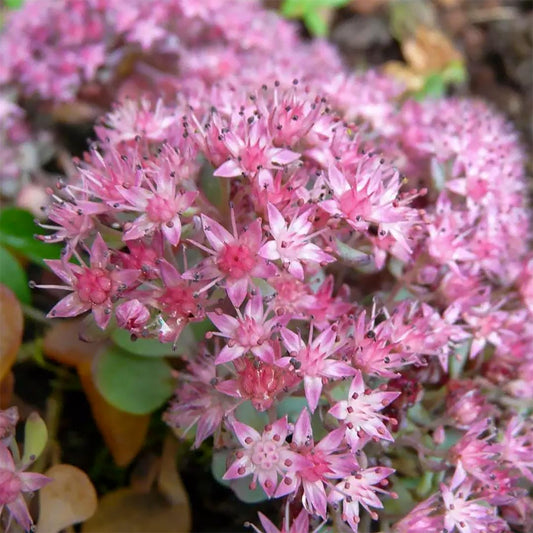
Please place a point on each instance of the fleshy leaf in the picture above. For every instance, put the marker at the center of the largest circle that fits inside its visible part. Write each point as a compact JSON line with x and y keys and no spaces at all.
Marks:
{"x":131,"y":383}
{"x":35,"y":438}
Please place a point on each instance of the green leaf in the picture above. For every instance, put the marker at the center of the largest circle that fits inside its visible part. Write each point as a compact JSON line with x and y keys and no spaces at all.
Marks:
{"x":13,"y":4}
{"x":316,"y":23}
{"x":17,"y":231}
{"x":12,"y":275}
{"x":434,"y":87}
{"x":137,"y":385}
{"x":35,"y":438}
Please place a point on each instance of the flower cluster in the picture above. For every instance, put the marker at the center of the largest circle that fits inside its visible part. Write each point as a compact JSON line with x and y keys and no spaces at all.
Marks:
{"x":358,"y":265}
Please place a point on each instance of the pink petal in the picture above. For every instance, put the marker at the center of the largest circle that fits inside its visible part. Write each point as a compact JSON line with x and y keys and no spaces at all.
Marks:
{"x":357,"y":385}
{"x":19,"y":510}
{"x":101,"y":317}
{"x":99,"y":253}
{"x":284,"y":157}
{"x":229,"y":169}
{"x":233,"y":470}
{"x":268,"y":479}
{"x":61,"y":270}
{"x":237,"y":290}
{"x":315,"y":495}
{"x":268,"y":526}
{"x":339,"y":410}
{"x":69,"y":306}
{"x":229,"y":353}
{"x":313,"y":390}
{"x":291,"y":340}
{"x":6,"y":459}
{"x":225,"y":323}
{"x":172,"y":233}
{"x":217,"y":235}
{"x":32,"y":481}
{"x":288,"y":484}
{"x":276,"y":220}
{"x":269,"y":250}
{"x":295,"y":268}
{"x":264,"y":351}
{"x":170,"y":276}
{"x":303,"y":432}
{"x":139,"y":228}
{"x":244,"y":433}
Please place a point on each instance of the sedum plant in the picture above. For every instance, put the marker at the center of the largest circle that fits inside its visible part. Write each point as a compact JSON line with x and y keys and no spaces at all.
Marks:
{"x":354,"y":267}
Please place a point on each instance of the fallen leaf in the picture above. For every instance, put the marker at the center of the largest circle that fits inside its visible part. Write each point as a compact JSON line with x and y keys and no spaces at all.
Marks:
{"x":429,"y":50}
{"x":7,"y":386}
{"x":69,"y":499}
{"x":366,"y":7}
{"x":128,"y":510}
{"x":123,"y":433}
{"x":62,"y":343}
{"x":169,"y":481}
{"x":11,"y":330}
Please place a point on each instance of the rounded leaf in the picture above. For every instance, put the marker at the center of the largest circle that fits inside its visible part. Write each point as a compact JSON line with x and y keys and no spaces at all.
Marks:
{"x":70,"y":498}
{"x":12,"y":275}
{"x":132,"y":383}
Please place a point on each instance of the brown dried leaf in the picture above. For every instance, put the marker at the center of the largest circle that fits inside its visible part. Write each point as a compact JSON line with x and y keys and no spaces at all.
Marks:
{"x":366,"y":7}
{"x":69,"y":499}
{"x":7,"y":386}
{"x":134,"y":512}
{"x":11,"y":326}
{"x":169,"y":481}
{"x":74,"y":113}
{"x":62,"y":344}
{"x":429,"y":51}
{"x":123,"y":432}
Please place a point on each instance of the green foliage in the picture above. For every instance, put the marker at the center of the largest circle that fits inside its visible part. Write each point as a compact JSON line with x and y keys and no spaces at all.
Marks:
{"x":12,"y":275}
{"x":17,"y":232}
{"x":132,"y":383}
{"x":312,"y":12}
{"x":13,"y":4}
{"x":35,"y":438}
{"x":435,"y":84}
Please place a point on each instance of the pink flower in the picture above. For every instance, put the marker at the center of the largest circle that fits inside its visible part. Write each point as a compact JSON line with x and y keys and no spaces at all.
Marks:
{"x":462,"y":514}
{"x":132,"y":315}
{"x":360,"y":413}
{"x":252,"y":154}
{"x":257,"y":381}
{"x":370,"y":197}
{"x":94,"y":288}
{"x":179,"y":302}
{"x":291,"y":242}
{"x":198,"y":403}
{"x":233,"y":258}
{"x":361,"y":489}
{"x":299,"y":525}
{"x":161,"y":205}
{"x":265,"y":456}
{"x":326,"y":460}
{"x":13,"y":483}
{"x":312,"y":360}
{"x":249,"y":332}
